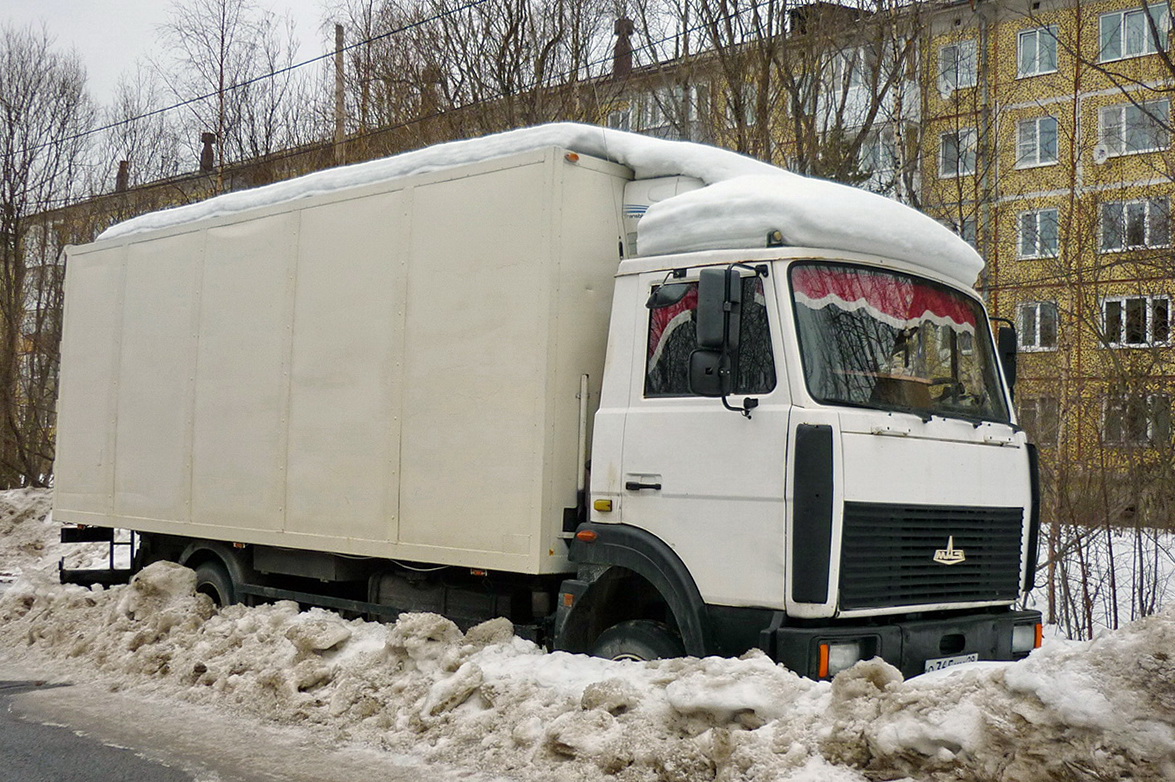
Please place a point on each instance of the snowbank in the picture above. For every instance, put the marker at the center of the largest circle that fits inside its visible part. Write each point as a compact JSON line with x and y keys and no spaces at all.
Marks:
{"x":746,"y":199}
{"x":486,"y":699}
{"x":27,"y":531}
{"x":30,"y":539}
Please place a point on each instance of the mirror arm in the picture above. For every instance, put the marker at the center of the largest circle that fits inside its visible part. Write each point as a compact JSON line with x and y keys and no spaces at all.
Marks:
{"x":749,"y":404}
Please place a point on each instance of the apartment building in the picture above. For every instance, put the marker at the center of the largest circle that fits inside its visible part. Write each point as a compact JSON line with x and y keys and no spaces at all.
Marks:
{"x":1047,"y":138}
{"x":1037,"y":129}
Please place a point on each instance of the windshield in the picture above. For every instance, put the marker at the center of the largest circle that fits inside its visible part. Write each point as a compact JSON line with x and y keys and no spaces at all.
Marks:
{"x":895,"y":342}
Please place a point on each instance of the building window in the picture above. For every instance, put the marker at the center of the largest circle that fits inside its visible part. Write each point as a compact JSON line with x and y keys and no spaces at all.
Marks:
{"x":1037,"y":142}
{"x":742,"y":105}
{"x":879,"y":152}
{"x":620,"y":119}
{"x":957,"y":153}
{"x":1136,"y":321}
{"x":850,"y":69}
{"x":1127,"y":128}
{"x":1039,"y":233}
{"x":1041,"y":418}
{"x":1129,"y":33}
{"x":1137,"y":419}
{"x":957,"y":66}
{"x":1038,"y":51}
{"x":1133,"y":225}
{"x":969,"y":231}
{"x":672,"y":112}
{"x":1038,"y":325}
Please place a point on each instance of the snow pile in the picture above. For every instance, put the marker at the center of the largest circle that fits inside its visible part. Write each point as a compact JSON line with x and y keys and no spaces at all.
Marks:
{"x":745,"y":201}
{"x":30,"y":541}
{"x":1102,"y":709}
{"x":27,"y":531}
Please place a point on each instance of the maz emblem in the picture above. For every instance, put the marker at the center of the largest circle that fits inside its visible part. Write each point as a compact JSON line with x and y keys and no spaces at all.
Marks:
{"x":950,"y":555}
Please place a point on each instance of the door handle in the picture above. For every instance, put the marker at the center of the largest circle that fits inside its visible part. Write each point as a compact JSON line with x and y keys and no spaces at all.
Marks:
{"x":637,"y":486}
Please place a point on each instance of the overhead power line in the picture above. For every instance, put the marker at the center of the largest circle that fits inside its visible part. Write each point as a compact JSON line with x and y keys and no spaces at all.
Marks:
{"x":648,"y":46}
{"x":383,"y":129}
{"x":257,"y":79}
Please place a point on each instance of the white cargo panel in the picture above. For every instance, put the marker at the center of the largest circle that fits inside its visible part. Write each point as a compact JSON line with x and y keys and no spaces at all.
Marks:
{"x":390,"y":371}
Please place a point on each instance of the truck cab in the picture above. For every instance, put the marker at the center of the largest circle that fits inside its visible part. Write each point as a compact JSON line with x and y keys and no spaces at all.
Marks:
{"x":859,"y":489}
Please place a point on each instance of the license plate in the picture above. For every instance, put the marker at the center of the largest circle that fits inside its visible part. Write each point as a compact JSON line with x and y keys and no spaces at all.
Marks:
{"x":947,"y":662}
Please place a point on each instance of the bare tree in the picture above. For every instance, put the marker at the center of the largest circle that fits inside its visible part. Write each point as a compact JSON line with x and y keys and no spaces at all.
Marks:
{"x":825,"y":89}
{"x":452,"y":68}
{"x":140,"y":133}
{"x":236,"y":53}
{"x":46,"y":110}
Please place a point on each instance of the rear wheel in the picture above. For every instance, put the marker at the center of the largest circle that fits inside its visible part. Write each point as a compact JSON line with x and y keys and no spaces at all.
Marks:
{"x":212,"y":579}
{"x":638,"y":639}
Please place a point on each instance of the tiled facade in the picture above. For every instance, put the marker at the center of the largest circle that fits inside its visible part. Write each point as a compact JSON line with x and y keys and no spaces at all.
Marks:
{"x":1071,"y":192}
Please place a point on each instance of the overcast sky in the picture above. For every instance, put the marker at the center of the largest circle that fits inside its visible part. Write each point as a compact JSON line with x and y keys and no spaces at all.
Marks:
{"x":111,"y":35}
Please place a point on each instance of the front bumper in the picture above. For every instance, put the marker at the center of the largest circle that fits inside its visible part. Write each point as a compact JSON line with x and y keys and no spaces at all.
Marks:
{"x":907,"y":645}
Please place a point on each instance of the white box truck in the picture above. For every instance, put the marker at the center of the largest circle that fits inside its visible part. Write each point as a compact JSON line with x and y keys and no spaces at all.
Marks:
{"x":447,"y":381}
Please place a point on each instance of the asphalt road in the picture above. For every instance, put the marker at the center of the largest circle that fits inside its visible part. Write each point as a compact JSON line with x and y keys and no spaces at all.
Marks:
{"x":33,"y":752}
{"x":87,"y":732}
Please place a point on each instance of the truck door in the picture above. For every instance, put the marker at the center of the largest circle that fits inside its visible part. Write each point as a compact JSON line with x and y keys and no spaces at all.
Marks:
{"x":708,"y":481}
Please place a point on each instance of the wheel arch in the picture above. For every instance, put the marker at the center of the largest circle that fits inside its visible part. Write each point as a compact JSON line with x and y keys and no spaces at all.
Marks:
{"x":200,"y":551}
{"x":627,"y":552}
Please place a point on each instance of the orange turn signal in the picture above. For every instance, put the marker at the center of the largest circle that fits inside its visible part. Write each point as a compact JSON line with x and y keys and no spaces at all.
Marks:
{"x":823,"y":672}
{"x":1039,"y":636}
{"x":587,"y":535}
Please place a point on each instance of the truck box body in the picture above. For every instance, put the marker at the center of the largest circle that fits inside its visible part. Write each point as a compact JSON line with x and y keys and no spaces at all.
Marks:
{"x":453,"y":381}
{"x":310,"y":375}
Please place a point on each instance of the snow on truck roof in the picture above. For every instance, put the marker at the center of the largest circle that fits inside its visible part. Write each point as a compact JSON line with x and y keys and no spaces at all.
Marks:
{"x":743,"y":200}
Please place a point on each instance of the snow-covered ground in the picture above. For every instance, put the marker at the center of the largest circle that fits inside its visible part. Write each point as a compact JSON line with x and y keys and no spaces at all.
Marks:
{"x":1103,"y":709}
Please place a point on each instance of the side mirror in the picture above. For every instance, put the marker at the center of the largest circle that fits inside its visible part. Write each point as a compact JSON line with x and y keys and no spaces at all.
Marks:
{"x":720,"y":294}
{"x":1006,"y":343}
{"x":709,"y":373}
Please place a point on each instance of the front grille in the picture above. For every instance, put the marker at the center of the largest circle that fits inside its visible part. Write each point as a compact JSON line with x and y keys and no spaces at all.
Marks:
{"x":887,"y":554}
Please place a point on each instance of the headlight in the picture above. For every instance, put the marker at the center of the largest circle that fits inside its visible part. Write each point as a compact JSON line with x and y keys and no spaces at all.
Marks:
{"x":1025,"y":638}
{"x":836,"y":657}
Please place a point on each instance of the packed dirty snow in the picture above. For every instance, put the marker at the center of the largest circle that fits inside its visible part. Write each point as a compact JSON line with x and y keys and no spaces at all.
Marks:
{"x":745,"y":199}
{"x":27,"y":532}
{"x":488,"y":700}
{"x":30,"y":539}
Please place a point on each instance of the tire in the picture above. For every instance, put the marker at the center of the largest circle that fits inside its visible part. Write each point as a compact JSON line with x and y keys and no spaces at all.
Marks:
{"x":638,"y":639}
{"x":212,"y":579}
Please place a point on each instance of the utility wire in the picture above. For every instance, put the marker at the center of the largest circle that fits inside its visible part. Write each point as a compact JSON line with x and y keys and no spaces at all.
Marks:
{"x":382,"y":129}
{"x":650,"y":45}
{"x":257,"y":79}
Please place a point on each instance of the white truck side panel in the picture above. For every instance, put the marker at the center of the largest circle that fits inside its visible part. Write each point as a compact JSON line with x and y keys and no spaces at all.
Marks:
{"x":346,"y":375}
{"x":157,"y":366}
{"x":475,"y":362}
{"x":388,"y":371}
{"x":87,"y":410}
{"x":242,"y":374}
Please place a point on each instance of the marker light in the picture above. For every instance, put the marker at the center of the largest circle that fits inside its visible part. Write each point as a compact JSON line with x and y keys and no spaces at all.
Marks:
{"x":587,"y":535}
{"x":603,"y":506}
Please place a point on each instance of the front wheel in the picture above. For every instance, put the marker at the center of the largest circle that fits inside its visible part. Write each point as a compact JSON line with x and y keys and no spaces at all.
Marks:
{"x":638,"y":639}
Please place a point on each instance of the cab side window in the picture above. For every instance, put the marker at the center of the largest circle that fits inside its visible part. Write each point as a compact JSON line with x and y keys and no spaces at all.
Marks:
{"x":672,"y":338}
